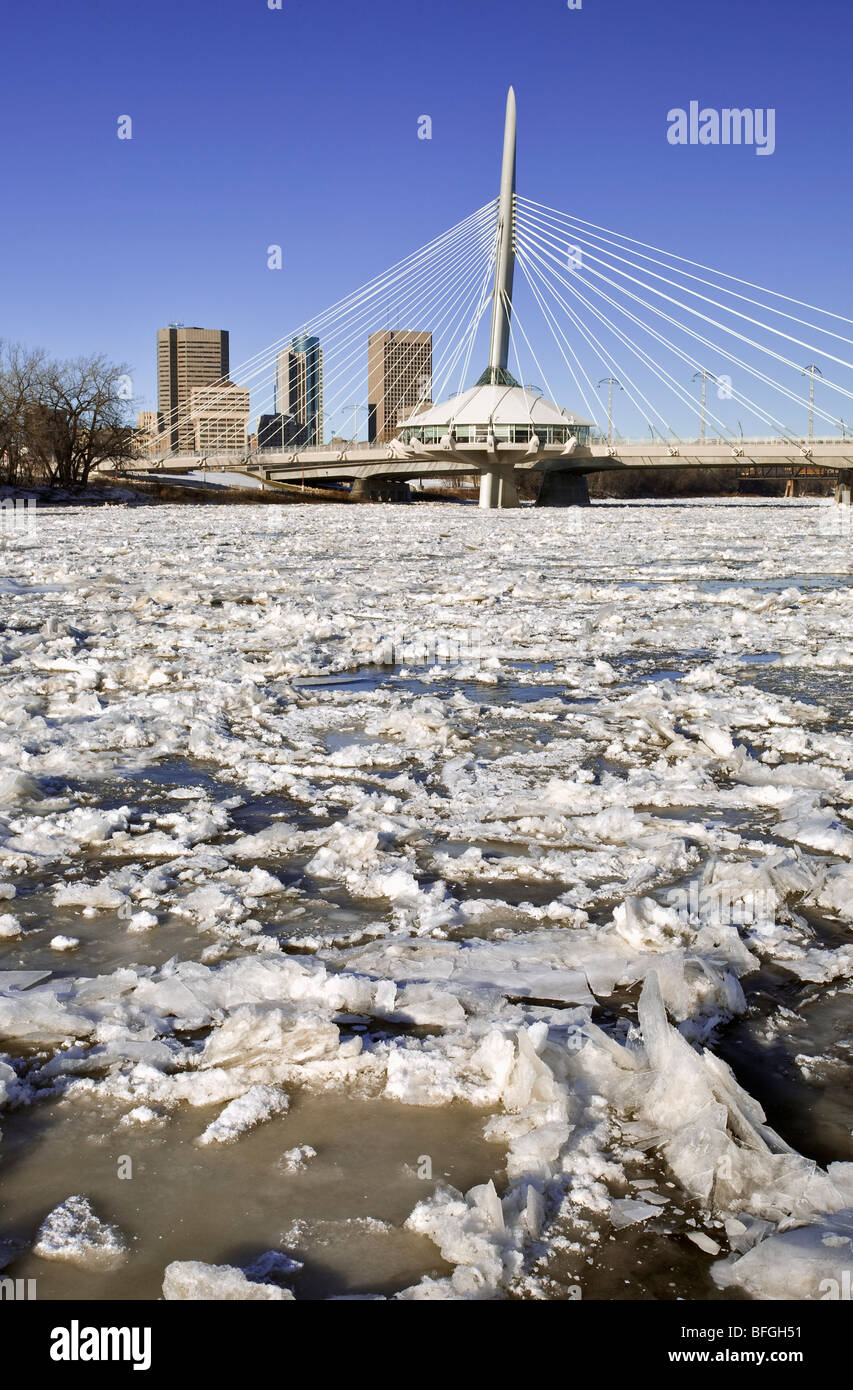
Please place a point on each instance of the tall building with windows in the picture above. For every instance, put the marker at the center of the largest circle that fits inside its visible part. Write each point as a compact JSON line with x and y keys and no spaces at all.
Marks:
{"x":188,"y":359}
{"x":399,"y":376}
{"x":148,"y":438}
{"x":219,"y":416}
{"x":299,"y":387}
{"x":278,"y":431}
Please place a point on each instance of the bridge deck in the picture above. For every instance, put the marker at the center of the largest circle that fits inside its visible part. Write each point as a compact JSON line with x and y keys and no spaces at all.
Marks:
{"x":372,"y":461}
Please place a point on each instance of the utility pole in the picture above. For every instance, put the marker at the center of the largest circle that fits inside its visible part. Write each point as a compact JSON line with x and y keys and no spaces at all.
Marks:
{"x":610,"y":382}
{"x":706,"y":377}
{"x":811,"y":371}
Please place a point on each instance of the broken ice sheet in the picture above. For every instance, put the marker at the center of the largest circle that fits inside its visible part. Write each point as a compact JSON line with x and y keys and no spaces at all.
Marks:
{"x":627,"y":1211}
{"x":492,"y":845}
{"x":73,"y":1232}
{"x":244,"y":1112}
{"x":193,"y":1280}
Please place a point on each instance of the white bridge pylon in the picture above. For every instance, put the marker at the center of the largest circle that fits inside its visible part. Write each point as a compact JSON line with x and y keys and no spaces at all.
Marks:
{"x":650,"y":322}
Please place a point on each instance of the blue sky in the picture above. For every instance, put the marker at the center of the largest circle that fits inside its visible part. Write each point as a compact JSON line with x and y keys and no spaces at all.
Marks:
{"x":298,"y":126}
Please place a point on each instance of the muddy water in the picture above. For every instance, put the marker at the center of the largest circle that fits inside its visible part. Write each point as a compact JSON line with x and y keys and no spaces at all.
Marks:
{"x":341,"y":1215}
{"x":800,"y":1068}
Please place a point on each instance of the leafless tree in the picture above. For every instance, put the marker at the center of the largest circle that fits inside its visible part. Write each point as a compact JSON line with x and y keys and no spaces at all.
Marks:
{"x":21,"y":372}
{"x":83,"y":419}
{"x":61,"y":420}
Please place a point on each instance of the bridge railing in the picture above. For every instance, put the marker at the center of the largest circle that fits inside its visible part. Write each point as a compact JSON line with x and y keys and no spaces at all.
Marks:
{"x":744,"y":443}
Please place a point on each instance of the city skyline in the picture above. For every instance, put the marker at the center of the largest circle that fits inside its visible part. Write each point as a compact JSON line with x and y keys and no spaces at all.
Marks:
{"x":195,"y":390}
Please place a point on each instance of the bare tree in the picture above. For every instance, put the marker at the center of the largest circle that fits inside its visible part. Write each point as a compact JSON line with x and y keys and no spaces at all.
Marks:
{"x":21,"y":380}
{"x":82,"y":419}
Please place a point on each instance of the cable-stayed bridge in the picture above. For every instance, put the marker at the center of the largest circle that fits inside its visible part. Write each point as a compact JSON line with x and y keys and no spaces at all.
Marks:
{"x":663,"y":333}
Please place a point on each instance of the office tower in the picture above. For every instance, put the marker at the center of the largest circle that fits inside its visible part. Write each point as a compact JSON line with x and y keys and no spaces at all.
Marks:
{"x":219,"y":418}
{"x":299,"y":387}
{"x":147,"y":433}
{"x":399,"y":375}
{"x":187,"y":359}
{"x":278,"y":431}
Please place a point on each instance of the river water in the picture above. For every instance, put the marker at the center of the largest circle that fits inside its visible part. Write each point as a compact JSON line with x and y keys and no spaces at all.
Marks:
{"x":455,"y":904}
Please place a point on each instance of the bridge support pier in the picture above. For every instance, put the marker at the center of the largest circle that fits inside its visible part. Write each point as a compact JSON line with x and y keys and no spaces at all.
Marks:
{"x":844,"y":487}
{"x":379,"y":490}
{"x":497,"y":487}
{"x":563,"y":489}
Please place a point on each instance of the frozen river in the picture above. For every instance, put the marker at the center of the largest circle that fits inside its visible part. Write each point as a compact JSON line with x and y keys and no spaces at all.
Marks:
{"x":425,"y":902}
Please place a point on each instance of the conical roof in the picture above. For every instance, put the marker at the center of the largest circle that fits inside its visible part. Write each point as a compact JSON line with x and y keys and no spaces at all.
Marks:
{"x":495,"y":405}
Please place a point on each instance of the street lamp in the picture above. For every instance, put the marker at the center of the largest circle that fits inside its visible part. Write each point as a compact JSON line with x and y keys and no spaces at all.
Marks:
{"x":610,"y":382}
{"x":319,"y":431}
{"x":353,"y":406}
{"x":811,"y":371}
{"x":706,"y":377}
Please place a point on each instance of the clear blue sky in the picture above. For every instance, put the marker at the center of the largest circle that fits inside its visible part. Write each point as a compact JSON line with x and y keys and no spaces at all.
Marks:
{"x":298,"y":126}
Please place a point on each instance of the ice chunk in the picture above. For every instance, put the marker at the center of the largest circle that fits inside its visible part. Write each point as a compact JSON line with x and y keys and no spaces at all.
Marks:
{"x":8,"y":1082}
{"x":469,"y":1231}
{"x":74,"y":1233}
{"x":273,"y":839}
{"x":272,"y":1266}
{"x":141,"y":921}
{"x":17,"y":787}
{"x":98,"y":895}
{"x":193,"y":1280}
{"x":262,"y":1036}
{"x":297,"y":1160}
{"x":628,"y":1211}
{"x":258,"y":1104}
{"x":704,"y":1242}
{"x":797,"y":1263}
{"x":142,"y":1115}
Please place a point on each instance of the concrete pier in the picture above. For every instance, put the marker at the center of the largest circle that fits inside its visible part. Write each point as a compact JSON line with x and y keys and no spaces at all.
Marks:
{"x":497,"y":487}
{"x":844,"y":487}
{"x":380,"y":490}
{"x":563,"y":489}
